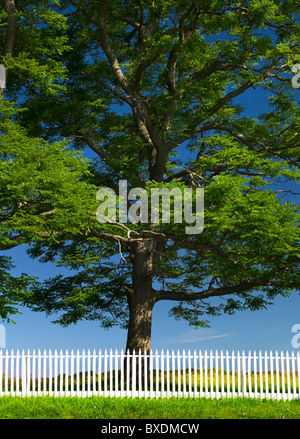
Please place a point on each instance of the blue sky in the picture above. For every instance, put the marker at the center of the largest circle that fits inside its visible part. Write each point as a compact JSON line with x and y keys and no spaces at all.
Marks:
{"x":269,"y":329}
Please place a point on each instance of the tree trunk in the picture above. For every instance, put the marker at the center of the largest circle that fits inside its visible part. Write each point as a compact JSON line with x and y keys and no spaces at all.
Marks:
{"x":140,"y":320}
{"x":141,"y":303}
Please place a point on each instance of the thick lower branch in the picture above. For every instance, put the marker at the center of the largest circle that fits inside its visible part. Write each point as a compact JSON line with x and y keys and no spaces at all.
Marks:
{"x":215,"y":292}
{"x":11,"y":28}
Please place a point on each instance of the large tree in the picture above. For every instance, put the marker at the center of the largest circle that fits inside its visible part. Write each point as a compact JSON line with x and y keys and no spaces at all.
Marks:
{"x":156,"y":93}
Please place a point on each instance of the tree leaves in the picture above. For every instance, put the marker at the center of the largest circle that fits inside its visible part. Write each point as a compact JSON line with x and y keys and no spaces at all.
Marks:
{"x":156,"y":93}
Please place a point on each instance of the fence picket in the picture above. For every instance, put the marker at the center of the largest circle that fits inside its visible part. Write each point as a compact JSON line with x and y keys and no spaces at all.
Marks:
{"x":146,"y":373}
{"x":17,"y":373}
{"x":293,"y":374}
{"x":233,"y":373}
{"x":277,"y":374}
{"x":184,"y":372}
{"x":151,"y":373}
{"x":55,"y":373}
{"x":140,"y":372}
{"x":88,"y":359}
{"x":173,"y":374}
{"x":72,"y":392}
{"x":298,"y":374}
{"x":211,"y":369}
{"x":288,"y":375}
{"x":249,"y":357}
{"x":222,"y":373}
{"x":227,"y":374}
{"x":261,"y":384}
{"x":205,"y":373}
{"x":282,"y":375}
{"x":156,"y":373}
{"x":122,"y":372}
{"x":6,"y":375}
{"x":272,"y":374}
{"x":23,"y":369}
{"x":179,"y":374}
{"x":77,"y":373}
{"x":110,"y":373}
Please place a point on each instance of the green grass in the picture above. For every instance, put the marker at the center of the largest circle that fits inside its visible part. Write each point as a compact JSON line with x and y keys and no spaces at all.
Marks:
{"x":47,"y":407}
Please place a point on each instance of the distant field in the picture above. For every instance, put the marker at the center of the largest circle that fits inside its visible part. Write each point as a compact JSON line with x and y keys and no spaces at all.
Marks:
{"x":210,"y":380}
{"x":46,"y":407}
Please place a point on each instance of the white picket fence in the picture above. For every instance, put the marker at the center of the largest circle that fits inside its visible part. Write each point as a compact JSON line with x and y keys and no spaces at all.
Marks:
{"x":164,"y":374}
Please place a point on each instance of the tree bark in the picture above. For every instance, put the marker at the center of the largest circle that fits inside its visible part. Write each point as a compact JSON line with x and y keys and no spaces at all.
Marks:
{"x":144,"y":255}
{"x":142,"y":299}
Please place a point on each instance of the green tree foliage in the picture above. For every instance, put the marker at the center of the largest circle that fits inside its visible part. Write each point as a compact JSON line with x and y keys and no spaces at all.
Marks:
{"x":156,"y":93}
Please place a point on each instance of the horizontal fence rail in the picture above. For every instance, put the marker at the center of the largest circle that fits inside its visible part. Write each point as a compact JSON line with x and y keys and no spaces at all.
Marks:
{"x":152,"y":374}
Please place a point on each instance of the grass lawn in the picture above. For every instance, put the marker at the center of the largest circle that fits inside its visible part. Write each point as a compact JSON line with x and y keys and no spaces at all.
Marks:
{"x":46,"y":407}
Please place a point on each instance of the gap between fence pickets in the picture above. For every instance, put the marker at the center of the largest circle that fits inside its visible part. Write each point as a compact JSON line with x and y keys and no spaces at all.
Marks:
{"x":165,"y":374}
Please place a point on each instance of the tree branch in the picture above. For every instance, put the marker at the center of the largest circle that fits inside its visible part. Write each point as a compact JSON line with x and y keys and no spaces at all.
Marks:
{"x":13,"y":242}
{"x":215,"y":292}
{"x":103,"y":38}
{"x":113,"y":90}
{"x":11,"y":32}
{"x":194,"y":128}
{"x":101,"y":152}
{"x":11,"y":28}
